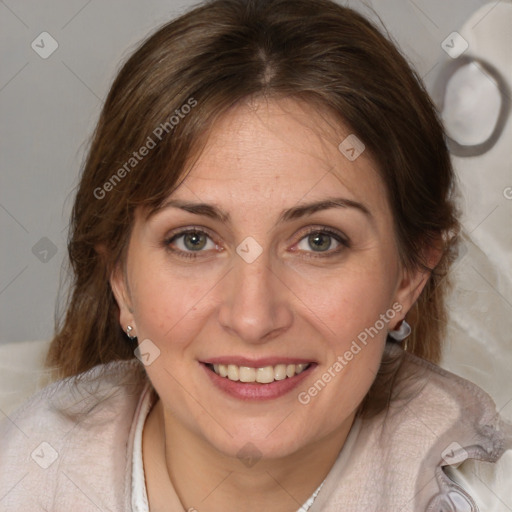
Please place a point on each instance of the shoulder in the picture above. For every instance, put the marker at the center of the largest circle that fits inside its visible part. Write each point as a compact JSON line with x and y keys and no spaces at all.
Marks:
{"x":467,"y":441}
{"x":451,"y":405}
{"x":434,"y":422}
{"x":444,"y":397}
{"x":87,"y":396}
{"x":73,"y":424}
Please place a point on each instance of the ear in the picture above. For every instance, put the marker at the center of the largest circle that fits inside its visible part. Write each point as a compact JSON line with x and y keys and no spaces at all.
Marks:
{"x":121,"y":293}
{"x":413,"y":281}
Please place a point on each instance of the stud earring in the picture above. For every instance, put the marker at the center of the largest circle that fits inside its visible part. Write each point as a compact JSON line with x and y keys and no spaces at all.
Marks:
{"x":129,"y":332}
{"x":404,"y":329}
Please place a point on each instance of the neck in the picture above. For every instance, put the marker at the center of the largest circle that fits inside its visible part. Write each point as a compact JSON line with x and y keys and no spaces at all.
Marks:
{"x":180,"y":465}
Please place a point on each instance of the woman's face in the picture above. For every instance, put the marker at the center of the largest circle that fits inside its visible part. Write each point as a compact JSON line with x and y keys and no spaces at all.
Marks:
{"x":277,"y":250}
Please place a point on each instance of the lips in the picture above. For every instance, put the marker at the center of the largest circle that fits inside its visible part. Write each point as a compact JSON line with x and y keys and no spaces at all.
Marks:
{"x":261,"y":379}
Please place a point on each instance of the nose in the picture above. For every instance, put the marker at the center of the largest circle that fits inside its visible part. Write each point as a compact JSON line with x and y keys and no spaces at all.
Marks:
{"x":255,"y":305}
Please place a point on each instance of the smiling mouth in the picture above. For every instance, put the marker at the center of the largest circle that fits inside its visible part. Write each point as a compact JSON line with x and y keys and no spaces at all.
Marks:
{"x":262,"y":375}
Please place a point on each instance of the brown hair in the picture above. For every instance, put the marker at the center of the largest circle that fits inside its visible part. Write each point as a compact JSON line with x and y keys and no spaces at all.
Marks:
{"x":167,"y":97}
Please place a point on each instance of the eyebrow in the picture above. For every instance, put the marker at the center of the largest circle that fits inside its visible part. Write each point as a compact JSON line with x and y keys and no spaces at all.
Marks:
{"x":213,"y":212}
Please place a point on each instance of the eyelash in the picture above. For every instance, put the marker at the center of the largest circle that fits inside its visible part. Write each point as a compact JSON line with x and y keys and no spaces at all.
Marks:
{"x":322,"y":230}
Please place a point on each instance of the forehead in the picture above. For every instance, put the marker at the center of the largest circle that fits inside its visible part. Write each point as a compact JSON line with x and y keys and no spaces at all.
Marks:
{"x":280,"y":152}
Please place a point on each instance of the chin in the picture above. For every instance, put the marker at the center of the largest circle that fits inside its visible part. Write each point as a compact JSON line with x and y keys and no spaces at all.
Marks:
{"x":252,"y":439}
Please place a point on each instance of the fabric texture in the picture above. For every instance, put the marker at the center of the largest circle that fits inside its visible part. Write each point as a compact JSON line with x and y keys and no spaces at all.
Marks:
{"x":71,"y":446}
{"x":139,"y":493}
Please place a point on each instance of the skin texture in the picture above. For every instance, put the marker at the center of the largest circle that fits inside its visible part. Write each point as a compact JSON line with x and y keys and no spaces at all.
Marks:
{"x":261,"y":158}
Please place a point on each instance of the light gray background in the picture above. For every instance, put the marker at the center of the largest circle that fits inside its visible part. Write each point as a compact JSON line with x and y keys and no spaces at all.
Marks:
{"x":49,"y":107}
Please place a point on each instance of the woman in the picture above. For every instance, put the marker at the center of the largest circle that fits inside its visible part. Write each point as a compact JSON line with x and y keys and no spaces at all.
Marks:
{"x":266,"y":213}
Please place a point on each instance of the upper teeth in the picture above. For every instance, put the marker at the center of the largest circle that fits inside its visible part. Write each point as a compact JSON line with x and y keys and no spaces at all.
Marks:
{"x":262,"y":375}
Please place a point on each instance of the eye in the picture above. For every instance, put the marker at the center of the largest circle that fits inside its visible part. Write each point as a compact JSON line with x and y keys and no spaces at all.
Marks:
{"x":190,"y":241}
{"x":323,"y":241}
{"x":194,"y":243}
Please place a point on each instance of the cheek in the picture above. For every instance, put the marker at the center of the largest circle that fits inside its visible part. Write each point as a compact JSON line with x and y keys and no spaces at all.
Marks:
{"x":171,"y":305}
{"x":354,"y":311}
{"x":353,"y":318}
{"x":347,"y":301}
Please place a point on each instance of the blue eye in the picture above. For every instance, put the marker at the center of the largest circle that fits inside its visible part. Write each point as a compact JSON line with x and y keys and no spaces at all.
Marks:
{"x":319,"y":242}
{"x":322,"y":241}
{"x":195,"y":243}
{"x":189,"y":242}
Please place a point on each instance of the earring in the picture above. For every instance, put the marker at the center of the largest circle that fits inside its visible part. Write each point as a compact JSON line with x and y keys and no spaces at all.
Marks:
{"x":129,"y":330}
{"x":404,"y":329}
